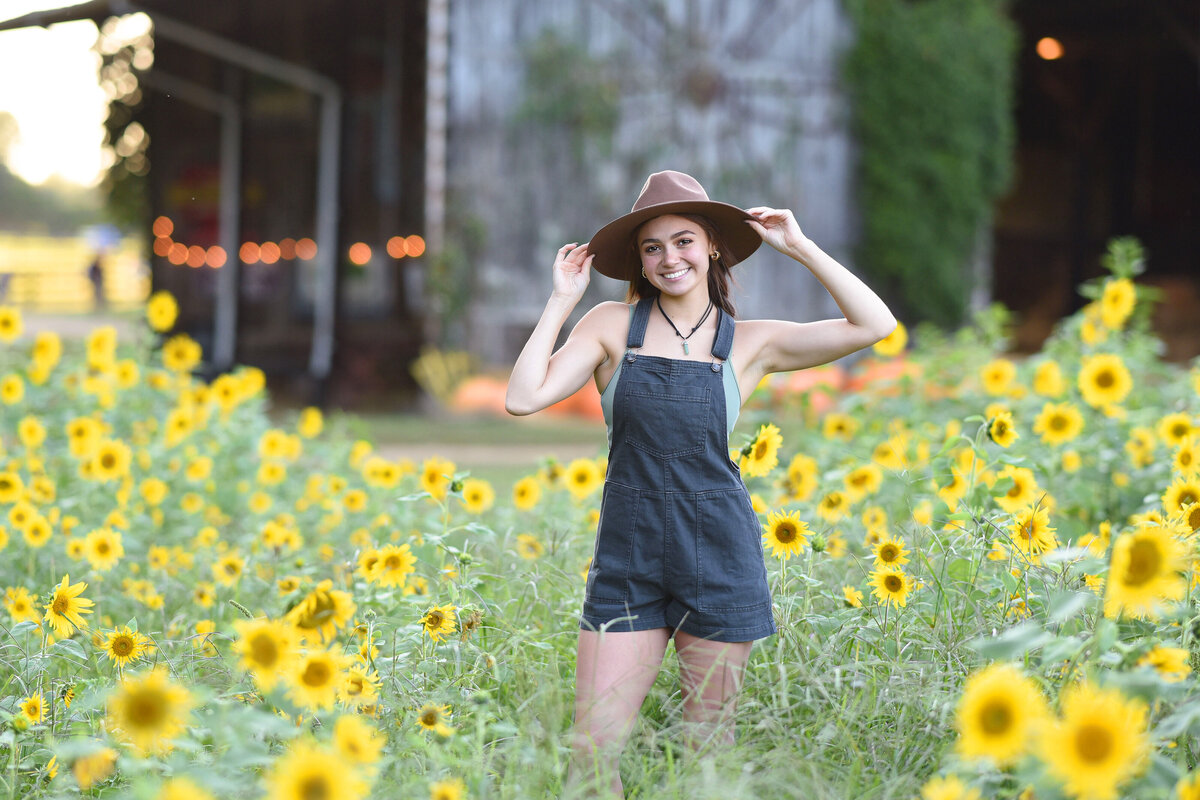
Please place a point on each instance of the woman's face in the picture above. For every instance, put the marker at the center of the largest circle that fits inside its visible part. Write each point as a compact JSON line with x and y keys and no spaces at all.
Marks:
{"x":675,"y":253}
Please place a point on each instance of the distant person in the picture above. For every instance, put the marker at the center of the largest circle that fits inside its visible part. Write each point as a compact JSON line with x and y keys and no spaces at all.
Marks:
{"x":5,"y":280}
{"x":679,"y":546}
{"x":96,"y":276}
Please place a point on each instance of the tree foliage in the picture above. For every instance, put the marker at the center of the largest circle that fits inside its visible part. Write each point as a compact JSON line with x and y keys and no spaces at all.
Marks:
{"x":931,"y":84}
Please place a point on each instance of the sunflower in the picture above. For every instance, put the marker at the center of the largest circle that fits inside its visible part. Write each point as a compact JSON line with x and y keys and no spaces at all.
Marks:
{"x":12,"y":390}
{"x":894,"y":343}
{"x":948,"y":787}
{"x":65,"y":608}
{"x":863,"y":481}
{"x":360,"y":686}
{"x":890,"y":454}
{"x":436,"y":475}
{"x":94,"y":767}
{"x":11,"y":324}
{"x":308,"y":770}
{"x":761,"y":455}
{"x":801,"y":478}
{"x":1000,"y":429}
{"x":1188,"y":787}
{"x":955,"y":490}
{"x":526,"y":493}
{"x":110,"y":460}
{"x":833,"y":506}
{"x":181,"y":353}
{"x":785,"y":533}
{"x":853,"y":597}
{"x":892,"y":585}
{"x":1182,"y":493}
{"x":1099,"y":742}
{"x":268,"y":648}
{"x":324,"y":611}
{"x":20,"y":604}
{"x":438,"y":622}
{"x":161,"y":311}
{"x":529,"y":547}
{"x":1175,"y":428}
{"x":1058,"y":423}
{"x":435,"y":718}
{"x":1117,"y":302}
{"x":1048,"y":379}
{"x":123,"y":645}
{"x":33,"y":707}
{"x":31,"y":432}
{"x":380,"y":473}
{"x":103,"y":549}
{"x":1186,"y":460}
{"x":101,"y":347}
{"x":315,"y":677}
{"x":999,"y":712}
{"x":583,"y":478}
{"x":997,"y":376}
{"x":37,"y":532}
{"x":1104,"y":380}
{"x":1189,"y":519}
{"x":1023,"y":492}
{"x":1144,"y":572}
{"x":148,"y":710}
{"x":11,"y":487}
{"x":839,"y":426}
{"x":311,"y":423}
{"x":890,"y":552}
{"x":477,"y":495}
{"x":357,"y":740}
{"x":393,"y":565}
{"x":179,"y":788}
{"x":228,"y":568}
{"x":1170,"y":662}
{"x":449,"y":789}
{"x":1031,"y":532}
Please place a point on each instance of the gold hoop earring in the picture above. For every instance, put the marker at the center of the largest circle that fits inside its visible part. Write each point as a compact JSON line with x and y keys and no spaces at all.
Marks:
{"x":715,"y":255}
{"x":644,"y":273}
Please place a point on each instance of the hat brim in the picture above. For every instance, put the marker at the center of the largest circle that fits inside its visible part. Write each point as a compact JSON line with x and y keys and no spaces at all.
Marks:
{"x":616,"y":257}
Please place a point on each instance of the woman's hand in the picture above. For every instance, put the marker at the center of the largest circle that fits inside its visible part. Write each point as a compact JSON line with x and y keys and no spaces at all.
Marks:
{"x":572,"y":271}
{"x":778,"y":228}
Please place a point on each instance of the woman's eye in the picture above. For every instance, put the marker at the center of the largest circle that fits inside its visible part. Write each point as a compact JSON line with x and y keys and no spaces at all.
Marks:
{"x":651,"y":248}
{"x":683,"y":242}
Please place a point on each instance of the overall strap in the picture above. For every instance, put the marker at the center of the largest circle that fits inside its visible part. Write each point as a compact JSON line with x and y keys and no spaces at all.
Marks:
{"x":723,"y":341}
{"x":637,"y":328}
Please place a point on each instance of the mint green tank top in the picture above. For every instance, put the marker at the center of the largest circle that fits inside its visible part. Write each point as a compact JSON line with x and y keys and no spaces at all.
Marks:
{"x":733,"y":393}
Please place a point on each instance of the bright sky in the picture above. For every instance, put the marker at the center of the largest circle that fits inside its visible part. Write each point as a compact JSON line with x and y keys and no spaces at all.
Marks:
{"x":49,"y":82}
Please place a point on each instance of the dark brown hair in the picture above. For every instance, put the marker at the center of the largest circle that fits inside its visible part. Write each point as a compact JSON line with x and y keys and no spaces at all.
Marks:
{"x":719,"y":277}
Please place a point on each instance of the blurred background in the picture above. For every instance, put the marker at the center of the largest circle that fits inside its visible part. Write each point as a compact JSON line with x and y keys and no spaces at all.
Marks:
{"x":363,"y":197}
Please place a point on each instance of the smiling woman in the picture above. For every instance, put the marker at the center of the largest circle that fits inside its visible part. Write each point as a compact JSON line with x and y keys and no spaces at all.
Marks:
{"x":57,"y":101}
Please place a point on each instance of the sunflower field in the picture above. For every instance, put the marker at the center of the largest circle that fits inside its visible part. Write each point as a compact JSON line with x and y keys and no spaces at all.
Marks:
{"x":983,"y":567}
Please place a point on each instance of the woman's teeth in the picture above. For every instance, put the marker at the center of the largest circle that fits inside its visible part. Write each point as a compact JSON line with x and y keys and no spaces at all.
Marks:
{"x":670,"y":276}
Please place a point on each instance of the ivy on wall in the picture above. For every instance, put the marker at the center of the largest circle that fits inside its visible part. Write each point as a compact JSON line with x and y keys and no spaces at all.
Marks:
{"x":931,"y":88}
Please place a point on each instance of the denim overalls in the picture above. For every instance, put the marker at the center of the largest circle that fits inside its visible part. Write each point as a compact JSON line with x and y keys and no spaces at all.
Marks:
{"x":679,"y":545}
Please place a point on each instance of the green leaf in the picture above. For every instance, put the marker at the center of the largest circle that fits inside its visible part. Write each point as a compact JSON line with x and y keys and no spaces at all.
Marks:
{"x":69,"y":646}
{"x":1012,"y":643}
{"x":960,"y":569}
{"x":1065,"y":605}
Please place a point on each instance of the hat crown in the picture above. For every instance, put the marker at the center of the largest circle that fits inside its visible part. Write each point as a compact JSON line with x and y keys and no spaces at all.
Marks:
{"x":669,"y":186}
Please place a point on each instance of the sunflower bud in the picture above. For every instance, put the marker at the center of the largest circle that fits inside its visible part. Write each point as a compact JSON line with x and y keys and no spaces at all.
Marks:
{"x":817,"y":543}
{"x":20,"y":723}
{"x":456,"y":485}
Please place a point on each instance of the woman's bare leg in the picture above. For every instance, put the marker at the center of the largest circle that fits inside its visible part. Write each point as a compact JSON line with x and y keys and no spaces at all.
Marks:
{"x":710,"y":674}
{"x":613,"y":674}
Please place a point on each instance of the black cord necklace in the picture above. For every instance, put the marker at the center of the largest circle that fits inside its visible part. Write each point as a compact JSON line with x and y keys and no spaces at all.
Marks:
{"x":707,"y":311}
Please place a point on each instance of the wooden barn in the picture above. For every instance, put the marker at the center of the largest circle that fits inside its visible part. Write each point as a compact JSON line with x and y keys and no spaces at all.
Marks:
{"x":375,"y":176}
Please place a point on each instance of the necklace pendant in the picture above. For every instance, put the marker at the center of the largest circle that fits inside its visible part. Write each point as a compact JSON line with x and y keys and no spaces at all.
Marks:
{"x":685,"y":348}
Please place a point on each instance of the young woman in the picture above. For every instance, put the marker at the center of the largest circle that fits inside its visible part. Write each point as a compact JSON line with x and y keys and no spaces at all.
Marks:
{"x":678,"y":550}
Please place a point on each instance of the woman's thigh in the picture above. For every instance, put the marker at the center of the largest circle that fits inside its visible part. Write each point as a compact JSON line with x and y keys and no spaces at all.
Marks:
{"x":710,"y":673}
{"x":613,"y":674}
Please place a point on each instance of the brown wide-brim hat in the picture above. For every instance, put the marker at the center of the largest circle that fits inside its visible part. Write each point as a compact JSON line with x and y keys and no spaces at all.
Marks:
{"x":669,"y":192}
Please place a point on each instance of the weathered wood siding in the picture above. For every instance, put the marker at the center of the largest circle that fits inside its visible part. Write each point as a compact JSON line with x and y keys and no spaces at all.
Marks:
{"x":743,"y":95}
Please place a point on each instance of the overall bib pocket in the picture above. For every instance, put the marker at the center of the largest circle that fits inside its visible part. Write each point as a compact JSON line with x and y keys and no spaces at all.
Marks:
{"x":666,"y":421}
{"x":608,"y":578}
{"x":731,"y":574}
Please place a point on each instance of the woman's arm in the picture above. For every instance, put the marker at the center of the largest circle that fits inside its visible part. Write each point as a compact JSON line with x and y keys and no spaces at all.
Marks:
{"x":784,"y":346}
{"x":540,"y":379}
